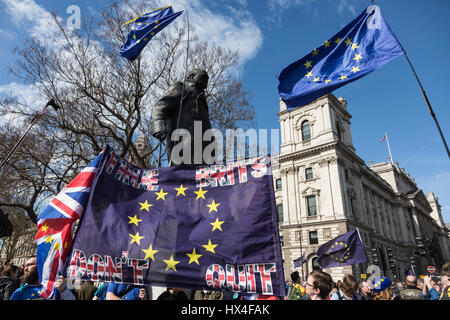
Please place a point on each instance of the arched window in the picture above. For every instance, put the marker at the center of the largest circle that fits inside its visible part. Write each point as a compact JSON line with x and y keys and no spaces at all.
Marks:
{"x":306,"y":130}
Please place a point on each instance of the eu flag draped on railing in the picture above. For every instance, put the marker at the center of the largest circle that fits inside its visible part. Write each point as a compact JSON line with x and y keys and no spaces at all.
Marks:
{"x":204,"y":227}
{"x":144,"y":28}
{"x":55,"y":225}
{"x":364,"y":45}
{"x":344,"y":250}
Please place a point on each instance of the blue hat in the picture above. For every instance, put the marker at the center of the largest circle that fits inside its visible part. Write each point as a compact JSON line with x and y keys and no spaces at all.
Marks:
{"x":381,"y":284}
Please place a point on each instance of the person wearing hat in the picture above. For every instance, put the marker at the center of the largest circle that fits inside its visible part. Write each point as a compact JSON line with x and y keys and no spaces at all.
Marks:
{"x":381,"y":289}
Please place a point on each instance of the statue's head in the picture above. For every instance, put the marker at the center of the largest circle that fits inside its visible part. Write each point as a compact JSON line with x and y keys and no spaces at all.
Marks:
{"x":199,"y":78}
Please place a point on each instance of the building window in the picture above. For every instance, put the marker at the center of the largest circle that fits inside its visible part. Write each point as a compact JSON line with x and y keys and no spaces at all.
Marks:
{"x":339,"y":131}
{"x":306,"y":131}
{"x":313,"y":238}
{"x":353,"y":208}
{"x":312,"y":206}
{"x":309,"y":174}
{"x":278,"y":184}
{"x":281,"y":241}
{"x":280,"y":213}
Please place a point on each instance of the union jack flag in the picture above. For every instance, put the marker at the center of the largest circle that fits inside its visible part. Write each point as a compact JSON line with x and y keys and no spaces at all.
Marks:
{"x":55,"y":225}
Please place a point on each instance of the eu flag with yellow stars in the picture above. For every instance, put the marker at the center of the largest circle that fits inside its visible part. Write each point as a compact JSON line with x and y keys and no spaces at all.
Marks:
{"x":344,"y":250}
{"x":211,"y":227}
{"x":144,"y":28}
{"x":364,"y":45}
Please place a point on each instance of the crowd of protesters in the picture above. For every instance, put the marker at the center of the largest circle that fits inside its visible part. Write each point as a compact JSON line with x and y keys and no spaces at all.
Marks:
{"x":22,"y":283}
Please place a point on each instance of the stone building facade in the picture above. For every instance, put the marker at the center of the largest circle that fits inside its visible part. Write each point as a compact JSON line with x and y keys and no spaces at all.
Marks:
{"x":323,"y":189}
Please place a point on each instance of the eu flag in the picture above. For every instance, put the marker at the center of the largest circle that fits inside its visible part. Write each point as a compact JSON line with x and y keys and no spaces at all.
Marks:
{"x":344,"y":250}
{"x":199,"y":227}
{"x":299,"y":261}
{"x":144,"y":28}
{"x":364,"y":45}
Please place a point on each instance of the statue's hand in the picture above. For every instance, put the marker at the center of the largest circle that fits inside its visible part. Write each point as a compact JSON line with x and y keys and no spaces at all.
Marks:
{"x":161,"y":135}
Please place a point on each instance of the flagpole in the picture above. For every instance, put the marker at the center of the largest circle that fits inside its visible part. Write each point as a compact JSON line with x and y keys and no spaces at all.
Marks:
{"x":389,"y":148}
{"x":184,"y":81}
{"x":428,"y":104}
{"x":35,"y":119}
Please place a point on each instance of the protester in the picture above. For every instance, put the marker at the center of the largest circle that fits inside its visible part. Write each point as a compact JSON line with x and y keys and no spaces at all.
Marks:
{"x":411,"y":292}
{"x":429,"y":290}
{"x":173,"y":294}
{"x":31,"y":288}
{"x":126,"y":292}
{"x":86,"y":291}
{"x":100,"y":294}
{"x":295,"y":291}
{"x":382,"y":289}
{"x":445,"y":292}
{"x":319,"y":285}
{"x":208,"y":295}
{"x":348,"y":289}
{"x":9,"y":281}
{"x":364,"y":290}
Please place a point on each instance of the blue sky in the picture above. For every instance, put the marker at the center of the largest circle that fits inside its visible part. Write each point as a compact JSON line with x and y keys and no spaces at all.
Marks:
{"x":271,"y":34}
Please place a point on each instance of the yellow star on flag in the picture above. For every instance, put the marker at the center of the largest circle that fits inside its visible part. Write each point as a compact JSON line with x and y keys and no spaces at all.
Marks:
{"x":342,"y":78}
{"x":49,"y":239}
{"x":327,"y":81}
{"x":308,"y":64}
{"x":150,"y":253}
{"x":66,"y":245}
{"x":309,"y":74}
{"x":57,"y":246}
{"x":357,"y":57}
{"x":338,"y":40}
{"x":181,"y":190}
{"x":217,"y":224}
{"x":213,"y":206}
{"x":134,"y":220}
{"x":44,"y":228}
{"x":315,"y":52}
{"x":348,"y":42}
{"x":136,"y":238}
{"x":193,"y":257}
{"x":200,"y":193}
{"x":161,"y":195}
{"x":355,"y":69}
{"x":327,"y":44}
{"x":145,"y":205}
{"x":316,"y":79}
{"x":355,"y":46}
{"x":171,"y":263}
{"x":210,"y":247}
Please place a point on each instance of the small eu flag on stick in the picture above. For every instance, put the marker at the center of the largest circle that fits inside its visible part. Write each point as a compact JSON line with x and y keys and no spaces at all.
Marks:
{"x":364,"y":45}
{"x":299,"y":261}
{"x":144,"y":28}
{"x":347,"y":249}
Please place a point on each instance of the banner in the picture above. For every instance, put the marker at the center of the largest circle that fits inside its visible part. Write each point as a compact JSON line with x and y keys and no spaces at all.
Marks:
{"x":197,"y":227}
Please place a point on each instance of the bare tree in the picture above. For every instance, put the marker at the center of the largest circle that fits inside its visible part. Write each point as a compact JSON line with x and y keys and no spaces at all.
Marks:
{"x":106,"y":99}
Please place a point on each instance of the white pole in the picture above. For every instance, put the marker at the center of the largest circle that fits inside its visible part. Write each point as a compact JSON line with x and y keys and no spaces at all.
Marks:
{"x":389,"y":148}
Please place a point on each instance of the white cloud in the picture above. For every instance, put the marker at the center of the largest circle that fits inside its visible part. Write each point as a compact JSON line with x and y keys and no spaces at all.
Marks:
{"x":277,"y":7}
{"x":236,"y":31}
{"x":26,"y":94}
{"x":28,"y":15}
{"x":6,"y":34}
